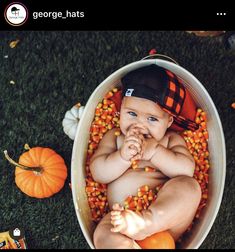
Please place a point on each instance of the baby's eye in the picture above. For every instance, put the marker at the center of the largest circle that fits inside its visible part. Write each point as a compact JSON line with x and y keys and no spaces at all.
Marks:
{"x":132,"y":113}
{"x":152,"y":119}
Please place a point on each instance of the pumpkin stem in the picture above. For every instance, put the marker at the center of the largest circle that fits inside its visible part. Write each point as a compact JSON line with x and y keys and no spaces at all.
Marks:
{"x":36,"y":169}
{"x":78,"y":105}
{"x":27,"y":147}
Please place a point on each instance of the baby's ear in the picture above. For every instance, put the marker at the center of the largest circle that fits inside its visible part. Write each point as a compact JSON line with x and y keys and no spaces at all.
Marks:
{"x":171,"y":120}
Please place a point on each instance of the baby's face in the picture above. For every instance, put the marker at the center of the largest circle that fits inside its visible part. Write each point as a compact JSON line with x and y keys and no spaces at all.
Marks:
{"x":146,"y":115}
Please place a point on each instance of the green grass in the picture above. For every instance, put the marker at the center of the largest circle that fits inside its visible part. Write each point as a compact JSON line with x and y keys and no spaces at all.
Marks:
{"x":52,"y":71}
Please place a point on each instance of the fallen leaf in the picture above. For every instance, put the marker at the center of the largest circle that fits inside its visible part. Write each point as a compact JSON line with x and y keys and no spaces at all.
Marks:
{"x":56,"y":237}
{"x":14,"y":43}
{"x":207,"y":33}
{"x":152,"y":51}
{"x":233,"y":105}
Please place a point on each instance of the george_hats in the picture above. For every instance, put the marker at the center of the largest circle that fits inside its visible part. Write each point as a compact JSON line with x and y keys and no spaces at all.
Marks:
{"x":161,"y":86}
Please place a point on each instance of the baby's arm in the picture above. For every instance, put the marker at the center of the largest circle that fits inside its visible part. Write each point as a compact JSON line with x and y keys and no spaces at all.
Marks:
{"x":174,"y":160}
{"x":108,"y":163}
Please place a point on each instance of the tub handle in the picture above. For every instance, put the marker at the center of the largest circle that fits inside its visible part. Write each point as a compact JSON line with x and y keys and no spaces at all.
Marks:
{"x":157,"y":55}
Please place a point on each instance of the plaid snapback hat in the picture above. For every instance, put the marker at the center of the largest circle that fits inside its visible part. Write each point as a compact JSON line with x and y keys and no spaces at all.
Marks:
{"x":159,"y":85}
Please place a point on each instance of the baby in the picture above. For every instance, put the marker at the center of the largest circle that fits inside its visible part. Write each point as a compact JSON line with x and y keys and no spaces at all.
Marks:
{"x":152,"y":99}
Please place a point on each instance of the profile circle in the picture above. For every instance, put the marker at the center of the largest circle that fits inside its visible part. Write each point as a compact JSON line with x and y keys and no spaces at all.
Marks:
{"x":16,"y":14}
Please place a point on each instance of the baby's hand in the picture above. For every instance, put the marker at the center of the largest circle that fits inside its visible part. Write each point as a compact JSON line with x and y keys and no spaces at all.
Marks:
{"x":132,"y":147}
{"x":127,"y":222}
{"x":149,"y":149}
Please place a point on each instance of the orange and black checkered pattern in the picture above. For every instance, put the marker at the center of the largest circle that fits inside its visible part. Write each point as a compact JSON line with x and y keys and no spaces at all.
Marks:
{"x":174,"y":100}
{"x":175,"y":94}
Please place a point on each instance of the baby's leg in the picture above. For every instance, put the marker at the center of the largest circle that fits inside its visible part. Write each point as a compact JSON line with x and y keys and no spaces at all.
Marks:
{"x":175,"y":206}
{"x":105,"y":239}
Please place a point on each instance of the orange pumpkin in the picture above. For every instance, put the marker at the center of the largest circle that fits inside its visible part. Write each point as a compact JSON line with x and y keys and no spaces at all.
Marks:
{"x":40,"y":173}
{"x":161,"y":240}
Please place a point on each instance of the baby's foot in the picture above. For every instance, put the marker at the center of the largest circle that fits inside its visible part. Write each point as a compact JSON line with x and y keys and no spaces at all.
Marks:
{"x":117,"y":218}
{"x":127,"y":222}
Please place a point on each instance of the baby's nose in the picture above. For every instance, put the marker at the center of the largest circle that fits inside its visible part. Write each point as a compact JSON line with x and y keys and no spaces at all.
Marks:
{"x":143,"y":129}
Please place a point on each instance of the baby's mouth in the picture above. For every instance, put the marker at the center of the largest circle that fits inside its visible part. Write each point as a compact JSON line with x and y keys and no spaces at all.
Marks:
{"x":143,"y":131}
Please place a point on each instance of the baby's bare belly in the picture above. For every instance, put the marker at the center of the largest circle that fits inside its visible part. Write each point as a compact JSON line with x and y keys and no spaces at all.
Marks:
{"x":130,"y":181}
